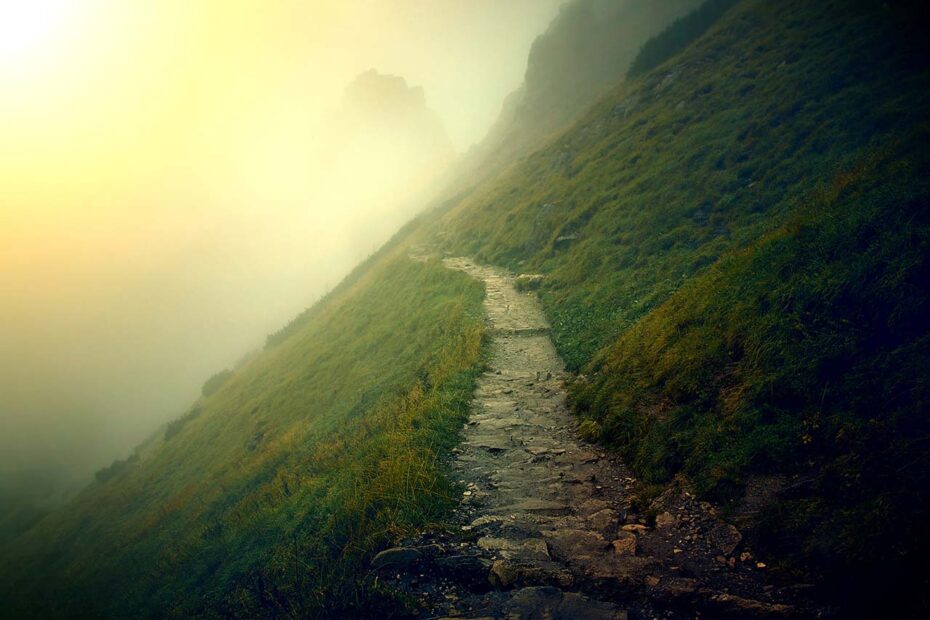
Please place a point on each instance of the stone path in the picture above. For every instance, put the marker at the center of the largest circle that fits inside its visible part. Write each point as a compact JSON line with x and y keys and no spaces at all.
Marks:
{"x":546,"y":524}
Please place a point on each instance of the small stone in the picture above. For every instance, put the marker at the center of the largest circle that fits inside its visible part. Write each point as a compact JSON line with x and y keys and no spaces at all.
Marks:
{"x":651,"y":581}
{"x":625,"y":546}
{"x":760,"y":565}
{"x":635,"y":528}
{"x":665,"y":520}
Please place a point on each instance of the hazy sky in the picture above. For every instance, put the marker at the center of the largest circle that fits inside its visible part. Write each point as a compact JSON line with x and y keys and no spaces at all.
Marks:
{"x":158,"y":209}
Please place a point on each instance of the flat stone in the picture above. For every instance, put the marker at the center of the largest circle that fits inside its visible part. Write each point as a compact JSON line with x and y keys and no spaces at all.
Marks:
{"x":537,"y":506}
{"x":604,"y":520}
{"x":573,"y":544}
{"x":397,"y":557}
{"x":587,"y":457}
{"x":508,"y":574}
{"x":591,"y":506}
{"x":486,"y":520}
{"x":529,"y":549}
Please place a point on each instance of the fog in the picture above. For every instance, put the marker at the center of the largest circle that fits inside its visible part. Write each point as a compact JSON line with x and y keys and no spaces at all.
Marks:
{"x":179,"y":181}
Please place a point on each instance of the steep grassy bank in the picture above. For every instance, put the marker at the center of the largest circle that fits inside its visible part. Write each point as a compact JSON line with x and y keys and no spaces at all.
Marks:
{"x":806,"y":356}
{"x":735,"y":251}
{"x":269,"y":501}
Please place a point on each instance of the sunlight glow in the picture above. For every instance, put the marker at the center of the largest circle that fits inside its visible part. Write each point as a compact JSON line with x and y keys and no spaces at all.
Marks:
{"x":27,"y":25}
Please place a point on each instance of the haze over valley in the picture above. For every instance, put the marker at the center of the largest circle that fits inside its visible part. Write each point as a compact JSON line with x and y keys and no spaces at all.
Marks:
{"x":182,"y":180}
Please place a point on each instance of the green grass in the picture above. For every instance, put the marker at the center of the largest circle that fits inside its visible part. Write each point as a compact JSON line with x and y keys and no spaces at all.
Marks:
{"x":736,"y":256}
{"x":271,"y":501}
{"x":808,"y":354}
{"x":700,"y":156}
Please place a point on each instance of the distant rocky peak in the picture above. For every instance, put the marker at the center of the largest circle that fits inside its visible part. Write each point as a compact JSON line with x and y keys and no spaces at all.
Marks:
{"x":378,"y":92}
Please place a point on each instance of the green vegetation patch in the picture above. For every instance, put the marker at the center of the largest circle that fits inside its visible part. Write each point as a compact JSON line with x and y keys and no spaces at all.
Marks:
{"x":735,"y":251}
{"x":806,"y":354}
{"x":271,"y":500}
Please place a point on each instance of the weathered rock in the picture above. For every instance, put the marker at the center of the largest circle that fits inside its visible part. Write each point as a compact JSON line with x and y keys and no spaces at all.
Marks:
{"x":591,"y":506}
{"x":577,"y":544}
{"x":508,"y":574}
{"x":430,"y":551}
{"x":678,"y":589}
{"x":396,"y":558}
{"x":665,"y":520}
{"x":529,"y":549}
{"x":625,"y":545}
{"x":469,"y":570}
{"x":605,"y":520}
{"x":536,"y":506}
{"x":725,"y":537}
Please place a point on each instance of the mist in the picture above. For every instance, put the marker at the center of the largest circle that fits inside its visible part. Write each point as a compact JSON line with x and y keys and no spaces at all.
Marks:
{"x":201,"y":175}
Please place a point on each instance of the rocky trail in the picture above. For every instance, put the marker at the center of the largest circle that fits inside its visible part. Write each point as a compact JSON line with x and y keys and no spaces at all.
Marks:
{"x":546,"y":528}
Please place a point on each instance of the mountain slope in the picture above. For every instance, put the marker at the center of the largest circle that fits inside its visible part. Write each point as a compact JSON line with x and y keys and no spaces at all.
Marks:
{"x":266,"y":500}
{"x":584,"y":53}
{"x":735,"y":255}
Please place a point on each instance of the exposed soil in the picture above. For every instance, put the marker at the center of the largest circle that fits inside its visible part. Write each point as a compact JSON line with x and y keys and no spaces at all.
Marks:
{"x":545,"y":525}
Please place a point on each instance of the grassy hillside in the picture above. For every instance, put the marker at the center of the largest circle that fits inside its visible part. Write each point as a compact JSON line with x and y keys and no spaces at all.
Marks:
{"x":269,"y":500}
{"x":735,"y":251}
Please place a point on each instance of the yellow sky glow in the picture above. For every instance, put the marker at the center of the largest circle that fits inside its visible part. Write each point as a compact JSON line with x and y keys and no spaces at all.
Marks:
{"x":161,"y":203}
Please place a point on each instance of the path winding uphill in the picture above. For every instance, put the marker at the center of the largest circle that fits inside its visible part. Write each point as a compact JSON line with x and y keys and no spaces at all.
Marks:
{"x":546,"y":524}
